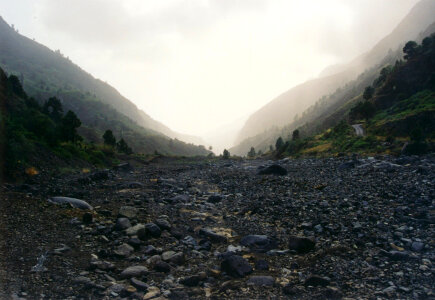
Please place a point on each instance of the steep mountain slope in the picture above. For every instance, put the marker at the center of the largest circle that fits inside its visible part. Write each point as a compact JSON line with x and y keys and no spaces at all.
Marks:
{"x":396,"y":112}
{"x":284,"y":108}
{"x":45,"y":73}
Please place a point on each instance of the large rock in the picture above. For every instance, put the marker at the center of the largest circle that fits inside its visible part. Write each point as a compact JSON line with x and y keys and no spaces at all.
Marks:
{"x":259,"y":243}
{"x":236,"y":266}
{"x":273,"y":170}
{"x":301,"y":244}
{"x":76,"y":203}
{"x":134,"y":271}
{"x":128,"y":212}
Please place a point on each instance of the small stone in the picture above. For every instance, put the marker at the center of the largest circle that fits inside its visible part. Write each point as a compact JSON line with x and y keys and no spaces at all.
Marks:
{"x":262,"y":265}
{"x":191,"y":280}
{"x":122,"y":224}
{"x":140,"y":285}
{"x":317,"y":281}
{"x":150,"y":250}
{"x":417,"y":246}
{"x":167,"y":255}
{"x":234,"y":249}
{"x":389,"y":290}
{"x":301,"y":244}
{"x":124,"y":250}
{"x":134,"y":229}
{"x":152,"y":292}
{"x":135,"y":243}
{"x":179,"y":198}
{"x":261,"y":280}
{"x":259,"y":243}
{"x":318,"y":228}
{"x":163,"y":224}
{"x":162,"y":266}
{"x":134,"y":271}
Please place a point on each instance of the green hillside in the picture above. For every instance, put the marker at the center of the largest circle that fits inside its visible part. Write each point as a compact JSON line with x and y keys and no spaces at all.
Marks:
{"x":303,"y":102}
{"x":45,"y":73}
{"x":396,"y":110}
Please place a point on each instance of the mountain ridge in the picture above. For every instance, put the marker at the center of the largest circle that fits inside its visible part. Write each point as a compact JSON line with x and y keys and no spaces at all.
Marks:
{"x":282,"y":109}
{"x":75,"y":76}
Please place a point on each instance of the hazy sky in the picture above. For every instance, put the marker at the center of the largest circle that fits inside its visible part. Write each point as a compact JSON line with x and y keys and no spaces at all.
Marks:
{"x":197,"y":65}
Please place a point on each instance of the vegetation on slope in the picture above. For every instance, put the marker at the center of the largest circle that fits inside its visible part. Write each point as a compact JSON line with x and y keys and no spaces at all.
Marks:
{"x":397,"y":109}
{"x":45,"y":73}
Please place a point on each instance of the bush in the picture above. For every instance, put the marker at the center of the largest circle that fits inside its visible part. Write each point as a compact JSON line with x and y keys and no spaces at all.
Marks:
{"x":226,"y":154}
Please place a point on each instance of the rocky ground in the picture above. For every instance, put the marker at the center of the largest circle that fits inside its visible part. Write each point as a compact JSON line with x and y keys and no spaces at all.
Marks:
{"x":195,"y":229}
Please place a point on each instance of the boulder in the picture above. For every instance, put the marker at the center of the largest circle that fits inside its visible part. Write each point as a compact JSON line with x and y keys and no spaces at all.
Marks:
{"x":76,"y":203}
{"x":273,"y":170}
{"x":236,"y":266}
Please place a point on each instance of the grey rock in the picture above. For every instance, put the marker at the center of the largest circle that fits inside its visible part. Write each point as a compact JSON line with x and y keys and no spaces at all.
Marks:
{"x":163,"y":224}
{"x":261,"y":280}
{"x":123,"y":250}
{"x":134,"y":271}
{"x":236,"y":266}
{"x":134,"y":229}
{"x":76,"y":203}
{"x":259,"y":243}
{"x":417,"y":246}
{"x":129,"y":212}
{"x":122,"y":224}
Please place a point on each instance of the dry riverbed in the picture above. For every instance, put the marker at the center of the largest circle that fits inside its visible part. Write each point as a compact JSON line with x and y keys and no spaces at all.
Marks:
{"x":195,"y":229}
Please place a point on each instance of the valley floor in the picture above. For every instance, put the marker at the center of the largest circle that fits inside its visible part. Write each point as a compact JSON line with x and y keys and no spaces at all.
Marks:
{"x":372,"y":220}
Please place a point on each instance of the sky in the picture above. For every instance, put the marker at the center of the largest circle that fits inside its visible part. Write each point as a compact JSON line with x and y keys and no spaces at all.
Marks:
{"x":199,"y":65}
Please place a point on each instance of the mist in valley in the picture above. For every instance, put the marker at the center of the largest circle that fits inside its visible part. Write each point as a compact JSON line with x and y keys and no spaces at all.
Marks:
{"x":196,"y":66}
